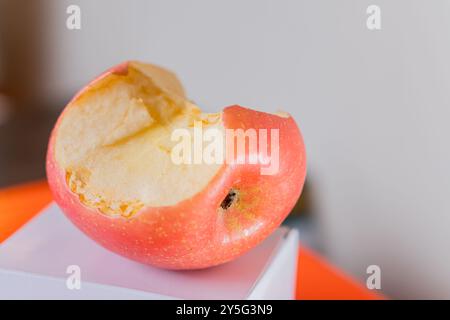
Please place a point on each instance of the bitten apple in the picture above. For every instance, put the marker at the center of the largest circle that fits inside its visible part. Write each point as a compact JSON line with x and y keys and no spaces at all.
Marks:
{"x":110,"y":169}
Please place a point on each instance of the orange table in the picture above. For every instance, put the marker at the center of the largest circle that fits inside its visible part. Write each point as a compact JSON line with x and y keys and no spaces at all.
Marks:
{"x":316,"y":279}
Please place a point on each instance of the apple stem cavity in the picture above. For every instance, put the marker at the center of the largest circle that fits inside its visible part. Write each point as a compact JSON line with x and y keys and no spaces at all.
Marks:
{"x":231,"y":198}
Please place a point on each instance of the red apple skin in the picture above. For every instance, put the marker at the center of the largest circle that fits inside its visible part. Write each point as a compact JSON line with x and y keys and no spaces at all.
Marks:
{"x":195,"y":233}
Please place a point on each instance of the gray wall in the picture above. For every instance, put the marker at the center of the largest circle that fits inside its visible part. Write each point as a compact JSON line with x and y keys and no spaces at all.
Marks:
{"x":374,"y":106}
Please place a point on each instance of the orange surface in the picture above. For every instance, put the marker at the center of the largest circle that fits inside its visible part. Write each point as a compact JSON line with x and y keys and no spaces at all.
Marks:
{"x":18,"y":204}
{"x":316,"y":279}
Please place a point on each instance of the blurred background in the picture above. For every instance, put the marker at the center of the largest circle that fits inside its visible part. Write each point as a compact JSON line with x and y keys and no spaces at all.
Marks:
{"x":373,"y":106}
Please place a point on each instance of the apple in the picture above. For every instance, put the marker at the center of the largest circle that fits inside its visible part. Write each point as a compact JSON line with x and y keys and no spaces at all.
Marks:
{"x":111,"y":171}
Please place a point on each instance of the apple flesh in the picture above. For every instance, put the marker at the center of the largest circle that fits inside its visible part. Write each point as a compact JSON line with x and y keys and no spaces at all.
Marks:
{"x":110,"y":171}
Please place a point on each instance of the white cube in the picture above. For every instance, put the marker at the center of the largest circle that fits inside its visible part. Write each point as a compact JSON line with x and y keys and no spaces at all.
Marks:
{"x":38,"y":262}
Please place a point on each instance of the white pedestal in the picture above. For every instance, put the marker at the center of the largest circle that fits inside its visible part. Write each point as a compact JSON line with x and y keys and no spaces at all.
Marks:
{"x":34,"y":261}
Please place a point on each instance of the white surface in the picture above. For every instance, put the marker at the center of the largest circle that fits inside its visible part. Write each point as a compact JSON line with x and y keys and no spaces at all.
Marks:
{"x":279,"y":280}
{"x":34,"y":260}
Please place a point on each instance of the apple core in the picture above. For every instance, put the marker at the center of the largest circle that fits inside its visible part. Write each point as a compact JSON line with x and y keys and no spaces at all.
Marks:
{"x":114,"y":144}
